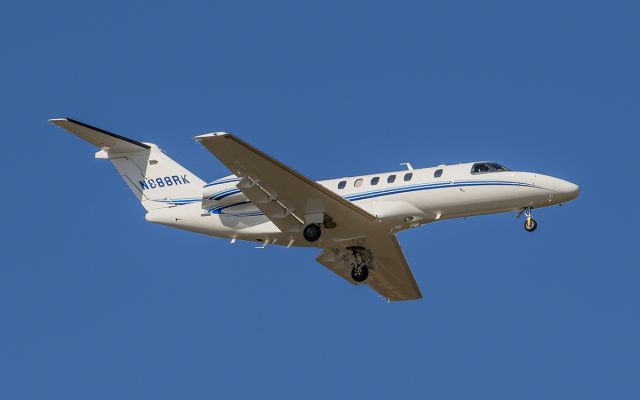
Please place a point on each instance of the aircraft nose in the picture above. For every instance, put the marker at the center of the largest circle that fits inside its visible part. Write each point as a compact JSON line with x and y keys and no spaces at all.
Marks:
{"x":567,"y":190}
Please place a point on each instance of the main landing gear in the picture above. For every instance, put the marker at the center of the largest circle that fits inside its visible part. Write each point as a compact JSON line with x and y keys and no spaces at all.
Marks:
{"x":312,"y":232}
{"x":360,"y":271}
{"x":530,"y":224}
{"x":360,"y":274}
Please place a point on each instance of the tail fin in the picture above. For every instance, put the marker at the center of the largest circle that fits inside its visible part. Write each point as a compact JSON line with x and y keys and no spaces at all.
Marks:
{"x":153,"y":177}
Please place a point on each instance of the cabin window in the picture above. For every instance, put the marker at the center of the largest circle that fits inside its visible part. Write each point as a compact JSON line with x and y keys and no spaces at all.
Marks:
{"x":438,"y":173}
{"x":408,"y":176}
{"x":487,"y":167}
{"x":391,"y":179}
{"x":342,"y":184}
{"x":375,"y":180}
{"x":358,"y":182}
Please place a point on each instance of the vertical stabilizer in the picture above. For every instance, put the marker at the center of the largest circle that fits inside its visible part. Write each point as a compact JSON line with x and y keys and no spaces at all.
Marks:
{"x":153,"y":177}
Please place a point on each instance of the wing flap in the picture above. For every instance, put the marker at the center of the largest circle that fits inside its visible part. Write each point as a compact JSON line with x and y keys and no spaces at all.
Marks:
{"x":277,"y":212}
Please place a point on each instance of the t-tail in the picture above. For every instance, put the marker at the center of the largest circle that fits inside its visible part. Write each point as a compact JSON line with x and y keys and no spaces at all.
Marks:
{"x":153,"y":177}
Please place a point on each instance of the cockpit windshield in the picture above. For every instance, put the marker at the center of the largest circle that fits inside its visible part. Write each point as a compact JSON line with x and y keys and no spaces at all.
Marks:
{"x":487,"y":167}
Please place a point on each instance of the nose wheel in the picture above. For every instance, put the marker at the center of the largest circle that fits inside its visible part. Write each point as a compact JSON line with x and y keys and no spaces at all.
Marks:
{"x":530,"y":224}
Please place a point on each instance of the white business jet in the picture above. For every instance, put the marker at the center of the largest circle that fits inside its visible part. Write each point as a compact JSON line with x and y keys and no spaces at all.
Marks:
{"x":353,"y":219}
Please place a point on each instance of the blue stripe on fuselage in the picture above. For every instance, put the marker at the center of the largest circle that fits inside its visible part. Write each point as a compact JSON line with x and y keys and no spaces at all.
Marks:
{"x":428,"y":186}
{"x":391,"y":191}
{"x":220,"y":182}
{"x":222,"y":194}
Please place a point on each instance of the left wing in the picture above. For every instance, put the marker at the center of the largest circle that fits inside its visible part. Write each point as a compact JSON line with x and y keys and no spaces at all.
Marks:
{"x":389,"y":272}
{"x":284,"y":195}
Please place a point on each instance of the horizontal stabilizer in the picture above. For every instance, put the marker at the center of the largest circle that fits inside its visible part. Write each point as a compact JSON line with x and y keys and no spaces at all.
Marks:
{"x":99,"y":137}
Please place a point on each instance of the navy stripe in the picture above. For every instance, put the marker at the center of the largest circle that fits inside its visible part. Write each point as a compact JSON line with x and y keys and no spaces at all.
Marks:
{"x":387,"y":192}
{"x":435,"y":184}
{"x":219,"y":209}
{"x":178,"y":201}
{"x":227,"y":195}
{"x":221,"y":182}
{"x":224,"y":193}
{"x":415,"y":188}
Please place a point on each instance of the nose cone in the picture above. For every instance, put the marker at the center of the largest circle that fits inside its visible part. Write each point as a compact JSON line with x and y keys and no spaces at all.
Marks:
{"x":566,"y":190}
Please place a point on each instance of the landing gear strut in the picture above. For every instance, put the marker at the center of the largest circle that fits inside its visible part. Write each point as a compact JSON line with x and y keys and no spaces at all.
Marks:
{"x":360,"y":271}
{"x":312,"y":232}
{"x":530,"y":224}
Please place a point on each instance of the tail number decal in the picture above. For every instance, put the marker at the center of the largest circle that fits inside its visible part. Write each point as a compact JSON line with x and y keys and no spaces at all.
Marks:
{"x":153,"y":183}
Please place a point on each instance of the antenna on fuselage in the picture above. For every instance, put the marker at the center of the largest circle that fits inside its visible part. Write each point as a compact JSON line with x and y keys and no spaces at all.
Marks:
{"x":409,"y":167}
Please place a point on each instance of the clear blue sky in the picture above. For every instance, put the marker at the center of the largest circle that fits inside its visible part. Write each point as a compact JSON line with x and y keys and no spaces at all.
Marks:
{"x":95,"y":303}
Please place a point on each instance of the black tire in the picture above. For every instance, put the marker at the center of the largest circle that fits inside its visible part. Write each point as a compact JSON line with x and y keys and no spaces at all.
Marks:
{"x":530,"y":225}
{"x":312,"y":232}
{"x":360,"y":276}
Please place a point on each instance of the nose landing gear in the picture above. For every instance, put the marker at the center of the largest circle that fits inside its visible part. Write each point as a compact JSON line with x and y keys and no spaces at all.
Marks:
{"x":530,"y":224}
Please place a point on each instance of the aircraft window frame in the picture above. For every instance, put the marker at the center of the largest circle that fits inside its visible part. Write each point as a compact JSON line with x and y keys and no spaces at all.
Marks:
{"x":491,"y":167}
{"x":375,"y":180}
{"x":391,"y":178}
{"x":342,"y":184}
{"x":358,"y":182}
{"x":408,"y":176}
{"x":438,"y":173}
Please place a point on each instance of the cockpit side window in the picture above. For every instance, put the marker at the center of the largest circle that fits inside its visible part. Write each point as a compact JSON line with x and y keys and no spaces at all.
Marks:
{"x":342,"y":184}
{"x":487,"y":167}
